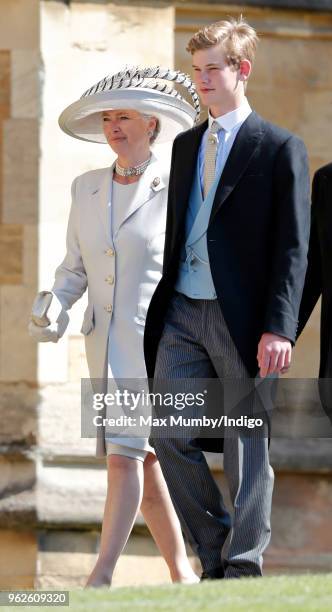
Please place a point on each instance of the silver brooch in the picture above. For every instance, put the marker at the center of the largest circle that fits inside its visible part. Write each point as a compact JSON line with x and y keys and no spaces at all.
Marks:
{"x":155,"y":182}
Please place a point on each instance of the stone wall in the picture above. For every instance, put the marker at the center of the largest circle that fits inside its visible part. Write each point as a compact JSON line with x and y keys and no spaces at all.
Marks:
{"x":19,"y":182}
{"x":312,"y":5}
{"x":19,"y":176}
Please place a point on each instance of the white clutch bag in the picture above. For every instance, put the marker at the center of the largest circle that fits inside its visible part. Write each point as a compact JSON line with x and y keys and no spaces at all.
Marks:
{"x":49,"y":320}
{"x":40,"y":308}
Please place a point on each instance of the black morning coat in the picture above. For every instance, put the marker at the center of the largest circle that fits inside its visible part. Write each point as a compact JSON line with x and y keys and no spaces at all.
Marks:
{"x":257,"y":236}
{"x":318,"y":281}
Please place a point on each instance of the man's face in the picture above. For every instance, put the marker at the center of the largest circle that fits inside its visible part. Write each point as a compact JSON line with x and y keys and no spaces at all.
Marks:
{"x":216,"y":81}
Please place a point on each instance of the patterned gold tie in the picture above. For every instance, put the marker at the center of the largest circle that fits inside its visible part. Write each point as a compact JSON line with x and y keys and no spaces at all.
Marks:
{"x":210,"y":157}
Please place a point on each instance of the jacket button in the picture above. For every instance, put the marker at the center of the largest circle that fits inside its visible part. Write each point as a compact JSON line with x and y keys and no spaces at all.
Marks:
{"x":110,"y":279}
{"x":109,"y":308}
{"x":110,"y":252}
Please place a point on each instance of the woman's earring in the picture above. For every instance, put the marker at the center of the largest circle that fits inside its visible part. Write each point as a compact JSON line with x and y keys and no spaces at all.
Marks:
{"x":150,"y":133}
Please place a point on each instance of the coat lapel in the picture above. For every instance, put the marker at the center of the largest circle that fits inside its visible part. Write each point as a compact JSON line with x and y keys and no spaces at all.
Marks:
{"x":101,"y":197}
{"x":246,"y":142}
{"x":184,"y":175}
{"x":150,"y":183}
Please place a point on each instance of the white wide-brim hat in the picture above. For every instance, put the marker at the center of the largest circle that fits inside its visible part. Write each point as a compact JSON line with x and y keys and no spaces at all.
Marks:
{"x":141,"y":89}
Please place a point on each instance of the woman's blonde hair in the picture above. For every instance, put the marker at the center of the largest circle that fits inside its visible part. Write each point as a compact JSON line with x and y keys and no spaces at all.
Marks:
{"x":238,"y":39}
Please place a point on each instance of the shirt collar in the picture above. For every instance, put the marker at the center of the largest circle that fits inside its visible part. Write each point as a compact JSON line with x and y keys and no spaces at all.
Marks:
{"x":233,"y":118}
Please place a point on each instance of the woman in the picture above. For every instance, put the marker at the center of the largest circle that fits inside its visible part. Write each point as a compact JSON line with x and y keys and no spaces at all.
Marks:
{"x":114,"y":249}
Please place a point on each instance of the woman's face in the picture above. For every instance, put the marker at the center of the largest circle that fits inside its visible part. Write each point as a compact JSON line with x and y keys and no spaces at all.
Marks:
{"x":127,"y":129}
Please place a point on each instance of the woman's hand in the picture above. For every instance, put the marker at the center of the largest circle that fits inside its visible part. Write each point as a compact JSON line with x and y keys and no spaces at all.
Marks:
{"x":51,"y":333}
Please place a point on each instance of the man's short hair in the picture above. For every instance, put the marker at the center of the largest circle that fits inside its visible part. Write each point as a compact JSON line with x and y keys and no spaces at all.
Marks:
{"x":238,"y":39}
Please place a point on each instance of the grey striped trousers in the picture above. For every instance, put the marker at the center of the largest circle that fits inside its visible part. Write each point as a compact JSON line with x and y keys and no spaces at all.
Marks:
{"x":196,"y":343}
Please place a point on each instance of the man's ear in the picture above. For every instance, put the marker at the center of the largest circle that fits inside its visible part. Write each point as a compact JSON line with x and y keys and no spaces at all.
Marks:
{"x":245,"y":69}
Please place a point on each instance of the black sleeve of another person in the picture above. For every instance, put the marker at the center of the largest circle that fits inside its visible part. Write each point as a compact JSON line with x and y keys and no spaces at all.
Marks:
{"x":313,"y":281}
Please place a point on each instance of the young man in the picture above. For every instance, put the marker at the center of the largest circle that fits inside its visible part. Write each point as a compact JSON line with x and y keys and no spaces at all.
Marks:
{"x":227,"y":304}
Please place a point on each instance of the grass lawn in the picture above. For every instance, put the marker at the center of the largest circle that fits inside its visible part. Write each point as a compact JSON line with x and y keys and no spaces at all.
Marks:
{"x":302,"y":593}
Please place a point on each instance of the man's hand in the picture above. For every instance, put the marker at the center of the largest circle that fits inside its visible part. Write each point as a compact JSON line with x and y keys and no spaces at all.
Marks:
{"x":274,"y":354}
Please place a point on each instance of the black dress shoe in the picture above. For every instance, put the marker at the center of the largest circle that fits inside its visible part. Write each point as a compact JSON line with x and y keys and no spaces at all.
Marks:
{"x":215,"y":573}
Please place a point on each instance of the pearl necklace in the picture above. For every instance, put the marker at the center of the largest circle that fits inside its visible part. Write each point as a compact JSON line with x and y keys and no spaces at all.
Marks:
{"x":134,"y":170}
